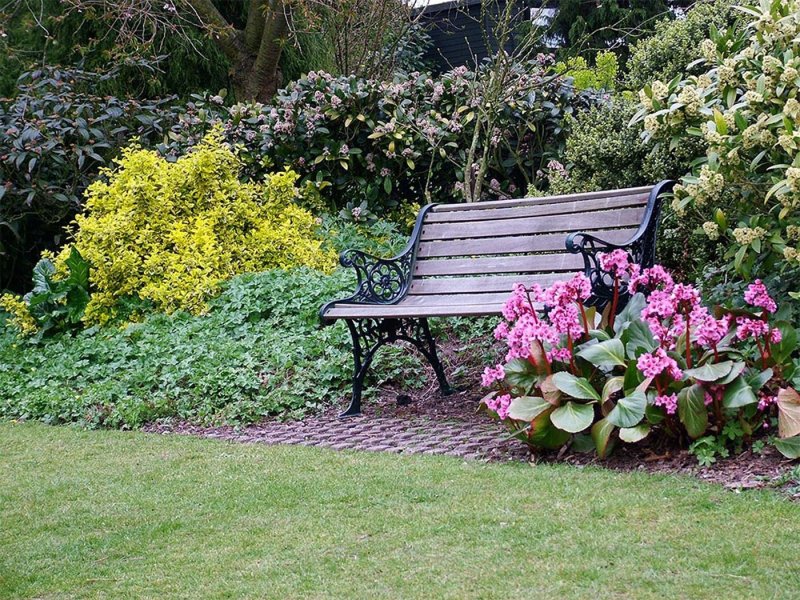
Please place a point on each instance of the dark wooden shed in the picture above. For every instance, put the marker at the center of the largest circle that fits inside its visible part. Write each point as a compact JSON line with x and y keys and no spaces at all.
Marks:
{"x":457,"y":30}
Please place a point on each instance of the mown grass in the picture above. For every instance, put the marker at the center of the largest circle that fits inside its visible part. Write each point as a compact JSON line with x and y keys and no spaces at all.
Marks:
{"x":129,"y":515}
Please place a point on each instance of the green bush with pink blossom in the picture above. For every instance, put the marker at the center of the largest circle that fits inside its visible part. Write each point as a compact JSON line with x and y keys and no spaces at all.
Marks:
{"x":664,"y":366}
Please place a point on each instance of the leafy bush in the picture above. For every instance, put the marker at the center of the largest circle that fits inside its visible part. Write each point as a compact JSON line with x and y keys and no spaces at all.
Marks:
{"x":390,"y":143}
{"x":259,"y":350}
{"x":604,"y":151}
{"x":665,"y":363}
{"x":675,"y":44}
{"x":166,"y":234}
{"x":54,"y":137}
{"x":603,"y":76}
{"x":746,"y":108}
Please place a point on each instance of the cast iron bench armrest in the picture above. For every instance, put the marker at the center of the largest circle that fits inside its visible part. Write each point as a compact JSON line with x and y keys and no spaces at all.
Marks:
{"x":381,"y":280}
{"x":641,"y":247}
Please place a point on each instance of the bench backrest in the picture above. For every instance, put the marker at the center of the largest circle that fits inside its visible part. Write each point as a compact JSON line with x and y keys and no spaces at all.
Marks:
{"x":478,"y":251}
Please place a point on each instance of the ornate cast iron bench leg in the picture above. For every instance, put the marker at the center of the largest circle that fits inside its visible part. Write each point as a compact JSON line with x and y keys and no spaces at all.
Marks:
{"x":369,"y":335}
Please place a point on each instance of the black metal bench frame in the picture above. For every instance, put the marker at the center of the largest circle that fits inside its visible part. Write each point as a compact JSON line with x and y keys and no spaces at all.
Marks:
{"x":386,"y":281}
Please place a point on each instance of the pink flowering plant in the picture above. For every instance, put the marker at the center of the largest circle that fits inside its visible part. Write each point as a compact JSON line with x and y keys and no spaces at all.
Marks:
{"x":663,"y":365}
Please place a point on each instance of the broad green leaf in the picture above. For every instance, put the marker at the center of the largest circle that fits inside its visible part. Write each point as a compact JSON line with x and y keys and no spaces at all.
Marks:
{"x":544,"y":434}
{"x":638,"y":337}
{"x":632,"y":435}
{"x":78,"y":269}
{"x":606,"y":354}
{"x":575,"y":387}
{"x":614,"y":384}
{"x":790,"y":447}
{"x":629,"y":410}
{"x":601,"y":434}
{"x":757,"y":381}
{"x":573,"y":417}
{"x":738,"y":394}
{"x":788,"y":413}
{"x":632,"y":312}
{"x":520,"y":374}
{"x":582,"y":443}
{"x":527,"y":408}
{"x":633,"y":377}
{"x":736,"y":370}
{"x":710,"y":371}
{"x":42,"y":273}
{"x":692,"y":410}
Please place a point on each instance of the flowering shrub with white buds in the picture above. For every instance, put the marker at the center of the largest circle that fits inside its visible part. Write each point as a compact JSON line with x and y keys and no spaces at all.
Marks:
{"x":745,"y":107}
{"x":664,"y":365}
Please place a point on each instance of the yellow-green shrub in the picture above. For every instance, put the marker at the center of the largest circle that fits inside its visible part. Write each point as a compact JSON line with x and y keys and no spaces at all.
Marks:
{"x":169,"y":232}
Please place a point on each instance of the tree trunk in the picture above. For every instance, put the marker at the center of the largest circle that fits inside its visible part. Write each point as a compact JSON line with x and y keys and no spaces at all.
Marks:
{"x":254,"y":52}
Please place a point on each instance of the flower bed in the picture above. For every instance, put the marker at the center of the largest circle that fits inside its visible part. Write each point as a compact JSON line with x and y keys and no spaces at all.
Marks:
{"x":665,"y":366}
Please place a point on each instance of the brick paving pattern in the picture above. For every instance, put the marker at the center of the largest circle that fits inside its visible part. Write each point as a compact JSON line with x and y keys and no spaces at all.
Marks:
{"x":408,"y":434}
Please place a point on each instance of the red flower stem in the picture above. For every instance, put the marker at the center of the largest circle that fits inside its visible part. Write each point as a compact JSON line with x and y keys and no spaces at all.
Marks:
{"x":530,"y":302}
{"x":614,"y":302}
{"x":585,"y":319}
{"x":571,"y":356}
{"x":763,"y":355}
{"x":688,"y":341}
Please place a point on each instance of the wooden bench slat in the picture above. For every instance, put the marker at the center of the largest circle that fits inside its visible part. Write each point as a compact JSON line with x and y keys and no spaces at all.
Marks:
{"x":540,"y":200}
{"x":366,"y":311}
{"x":499,"y":264}
{"x":456,"y":299}
{"x":511,"y":244}
{"x":494,"y":283}
{"x":571,"y":207}
{"x":623,"y":217}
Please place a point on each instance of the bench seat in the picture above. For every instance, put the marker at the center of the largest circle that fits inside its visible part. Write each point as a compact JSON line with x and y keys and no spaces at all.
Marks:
{"x":464,"y":259}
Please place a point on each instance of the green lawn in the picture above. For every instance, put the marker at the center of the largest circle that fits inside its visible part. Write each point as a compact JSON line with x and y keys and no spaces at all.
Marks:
{"x":129,"y":515}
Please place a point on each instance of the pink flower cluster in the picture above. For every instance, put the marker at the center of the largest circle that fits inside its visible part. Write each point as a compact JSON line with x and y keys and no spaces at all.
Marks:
{"x":616,"y":262}
{"x":757,"y":295}
{"x":563,"y":319}
{"x":652,"y":364}
{"x":668,"y":402}
{"x":500,"y":405}
{"x":490,"y":375}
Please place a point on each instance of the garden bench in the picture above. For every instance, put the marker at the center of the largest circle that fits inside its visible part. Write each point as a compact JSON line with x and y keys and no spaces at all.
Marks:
{"x":463,"y":260}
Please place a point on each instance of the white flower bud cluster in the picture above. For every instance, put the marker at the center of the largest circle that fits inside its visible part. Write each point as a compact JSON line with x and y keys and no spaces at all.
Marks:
{"x":747,"y":235}
{"x":711,"y":229}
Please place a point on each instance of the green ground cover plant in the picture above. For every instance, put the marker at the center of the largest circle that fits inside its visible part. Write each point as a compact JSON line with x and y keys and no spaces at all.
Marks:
{"x":113,"y":514}
{"x":258,"y":351}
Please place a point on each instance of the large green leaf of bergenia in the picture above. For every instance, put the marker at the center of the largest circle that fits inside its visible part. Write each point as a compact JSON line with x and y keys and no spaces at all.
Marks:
{"x":573,"y":417}
{"x":631,"y":435}
{"x":601,"y":434}
{"x":790,"y":447}
{"x":544,"y":434}
{"x":629,"y":410}
{"x":632,"y":312}
{"x":575,"y":387}
{"x":710,"y":371}
{"x":692,"y":410}
{"x":738,"y":394}
{"x":520,"y":374}
{"x":638,"y":339}
{"x":608,"y":354}
{"x":527,"y":408}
